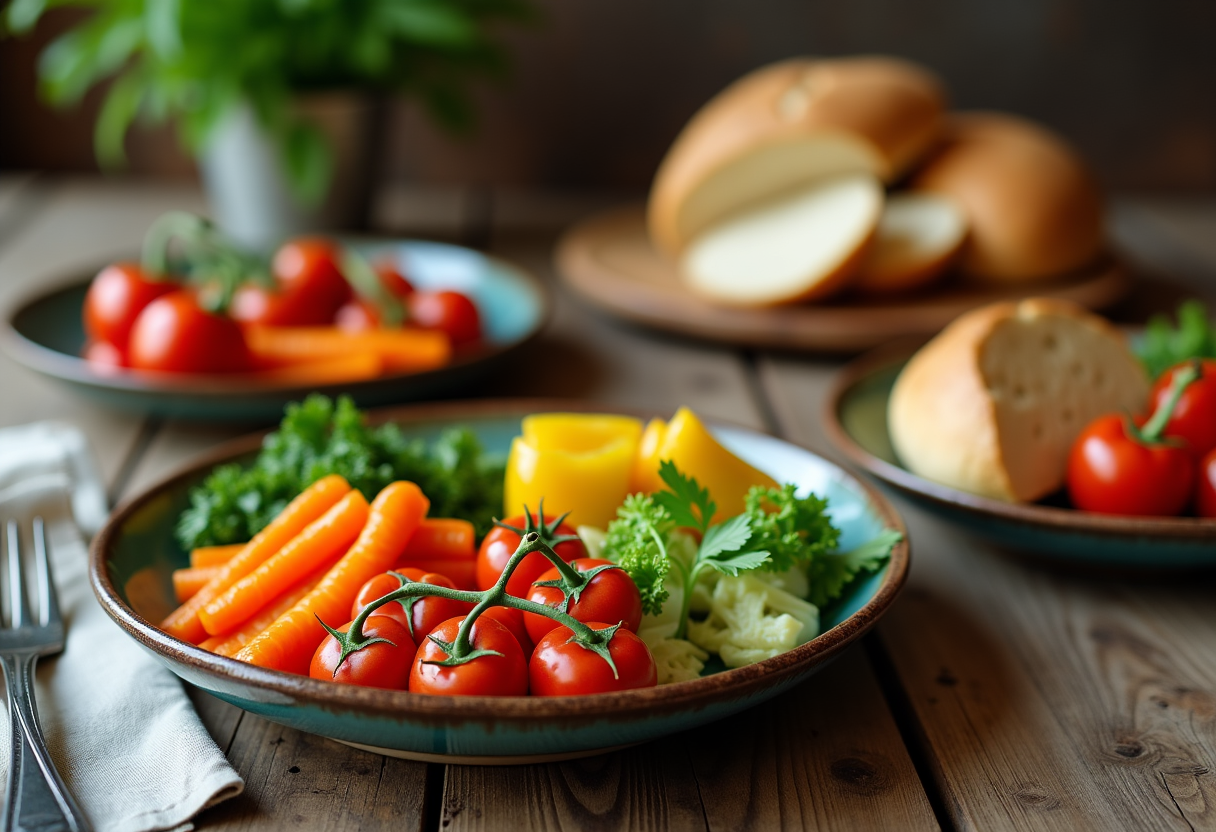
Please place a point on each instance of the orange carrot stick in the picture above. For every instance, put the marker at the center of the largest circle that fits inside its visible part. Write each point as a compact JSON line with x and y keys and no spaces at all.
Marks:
{"x":401,"y":350}
{"x":322,"y":543}
{"x":229,"y":643}
{"x":190,"y":580}
{"x":314,"y":501}
{"x":288,"y":643}
{"x":214,"y":555}
{"x":355,"y":366}
{"x":442,"y":538}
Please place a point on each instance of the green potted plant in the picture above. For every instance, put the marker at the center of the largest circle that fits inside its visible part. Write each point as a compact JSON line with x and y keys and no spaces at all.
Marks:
{"x":276,"y":98}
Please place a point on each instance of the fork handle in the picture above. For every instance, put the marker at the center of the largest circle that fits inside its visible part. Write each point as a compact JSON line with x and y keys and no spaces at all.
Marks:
{"x":35,"y":797}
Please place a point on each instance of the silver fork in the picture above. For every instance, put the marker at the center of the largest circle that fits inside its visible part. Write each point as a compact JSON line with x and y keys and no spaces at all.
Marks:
{"x":35,"y":797}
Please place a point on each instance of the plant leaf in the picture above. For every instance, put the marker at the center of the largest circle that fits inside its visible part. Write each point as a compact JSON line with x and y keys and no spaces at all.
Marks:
{"x":119,"y":110}
{"x":685,"y":495}
{"x":725,"y":537}
{"x":163,"y":22}
{"x":308,"y":162}
{"x":734,"y":563}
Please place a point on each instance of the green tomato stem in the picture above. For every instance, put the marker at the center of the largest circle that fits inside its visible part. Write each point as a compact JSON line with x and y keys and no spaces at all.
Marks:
{"x":1151,"y":432}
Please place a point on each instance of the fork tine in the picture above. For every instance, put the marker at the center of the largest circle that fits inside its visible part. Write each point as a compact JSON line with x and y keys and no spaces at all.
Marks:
{"x":48,"y":599}
{"x":19,"y":611}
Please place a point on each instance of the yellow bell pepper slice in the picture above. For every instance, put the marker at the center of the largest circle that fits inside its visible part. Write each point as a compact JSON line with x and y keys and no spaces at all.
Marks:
{"x":688,"y":443}
{"x":578,"y":462}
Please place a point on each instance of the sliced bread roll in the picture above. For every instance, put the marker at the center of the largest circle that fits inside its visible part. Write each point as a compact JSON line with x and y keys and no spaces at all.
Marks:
{"x":1032,"y":206}
{"x":803,"y":246}
{"x":918,"y":236}
{"x":993,"y":404}
{"x":787,"y":125}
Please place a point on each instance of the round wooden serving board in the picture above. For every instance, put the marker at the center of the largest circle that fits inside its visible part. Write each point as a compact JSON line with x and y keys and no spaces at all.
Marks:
{"x":609,"y":260}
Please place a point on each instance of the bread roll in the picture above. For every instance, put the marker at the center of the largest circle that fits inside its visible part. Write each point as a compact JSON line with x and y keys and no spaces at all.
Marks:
{"x":918,"y":236}
{"x":1032,"y":207}
{"x":993,"y":404}
{"x":786,"y":125}
{"x":803,"y":246}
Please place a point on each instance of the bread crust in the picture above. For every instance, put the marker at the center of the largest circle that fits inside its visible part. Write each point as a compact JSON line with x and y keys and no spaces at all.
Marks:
{"x":864,"y":114}
{"x":993,"y":404}
{"x":1033,"y":208}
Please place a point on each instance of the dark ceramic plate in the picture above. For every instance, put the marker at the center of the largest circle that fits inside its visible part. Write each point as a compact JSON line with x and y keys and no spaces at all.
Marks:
{"x":132,"y":559}
{"x":856,"y":419}
{"x":45,"y":334}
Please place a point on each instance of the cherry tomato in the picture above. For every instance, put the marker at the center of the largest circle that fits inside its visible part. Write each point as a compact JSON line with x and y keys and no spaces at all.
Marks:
{"x":309,"y":287}
{"x":114,"y":300}
{"x":498,"y":546}
{"x":418,"y":615}
{"x":1194,"y":417}
{"x":1111,"y":472}
{"x":357,"y":315}
{"x":451,"y":312}
{"x":393,"y":280}
{"x":611,"y":595}
{"x":174,"y":334}
{"x":513,"y":620}
{"x":378,"y":665}
{"x":560,"y":667}
{"x":502,"y":675}
{"x":1205,"y":486}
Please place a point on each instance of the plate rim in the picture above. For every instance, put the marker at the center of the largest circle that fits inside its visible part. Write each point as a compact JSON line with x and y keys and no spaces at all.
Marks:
{"x":221,"y":387}
{"x":736,"y":682}
{"x":1050,"y":517}
{"x":786,"y":327}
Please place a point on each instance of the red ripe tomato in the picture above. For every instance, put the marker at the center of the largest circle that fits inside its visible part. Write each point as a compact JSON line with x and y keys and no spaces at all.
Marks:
{"x":418,"y":615}
{"x":393,"y":280}
{"x":513,"y":620}
{"x":1194,"y":417}
{"x":378,"y":665}
{"x":175,"y":335}
{"x":1205,"y":486}
{"x":357,"y":315}
{"x":272,"y":307}
{"x":1111,"y":472}
{"x":450,"y":312}
{"x":104,"y":357}
{"x":503,"y":675}
{"x":114,"y":300}
{"x":498,"y":546}
{"x":560,"y":667}
{"x":309,"y":288}
{"x":611,"y":595}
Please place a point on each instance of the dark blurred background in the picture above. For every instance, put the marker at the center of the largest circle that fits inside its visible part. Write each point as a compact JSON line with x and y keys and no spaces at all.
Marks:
{"x":599,"y":89}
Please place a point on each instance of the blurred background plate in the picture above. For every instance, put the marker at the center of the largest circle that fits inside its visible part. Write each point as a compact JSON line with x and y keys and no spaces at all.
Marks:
{"x":855,"y":417}
{"x":610,"y":262}
{"x":132,"y":559}
{"x":46,"y":334}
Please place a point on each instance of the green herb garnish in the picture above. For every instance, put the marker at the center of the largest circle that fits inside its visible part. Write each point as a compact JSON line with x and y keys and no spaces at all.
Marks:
{"x":318,"y":437}
{"x":1165,"y":345}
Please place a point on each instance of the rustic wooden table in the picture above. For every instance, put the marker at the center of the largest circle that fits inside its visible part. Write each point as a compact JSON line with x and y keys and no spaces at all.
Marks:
{"x":995,"y":695}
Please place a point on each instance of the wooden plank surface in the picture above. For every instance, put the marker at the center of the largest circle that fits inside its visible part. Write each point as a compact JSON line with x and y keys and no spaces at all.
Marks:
{"x":1044,"y":700}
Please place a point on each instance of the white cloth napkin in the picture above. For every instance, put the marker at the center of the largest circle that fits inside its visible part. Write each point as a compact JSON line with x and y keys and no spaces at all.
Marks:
{"x":121,"y":729}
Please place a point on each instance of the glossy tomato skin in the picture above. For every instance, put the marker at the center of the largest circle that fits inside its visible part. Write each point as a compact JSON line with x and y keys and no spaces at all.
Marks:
{"x":104,"y":357}
{"x":357,"y":315}
{"x":114,"y":300}
{"x":504,"y":675}
{"x":513,"y":620}
{"x":309,"y":283}
{"x":560,"y":667}
{"x":379,"y":665}
{"x":1205,"y":486}
{"x":448,"y":311}
{"x":611,"y":595}
{"x":425,"y":614}
{"x":498,"y":546}
{"x":273,"y":307}
{"x":173,"y":334}
{"x":1111,"y":473}
{"x":1194,"y":417}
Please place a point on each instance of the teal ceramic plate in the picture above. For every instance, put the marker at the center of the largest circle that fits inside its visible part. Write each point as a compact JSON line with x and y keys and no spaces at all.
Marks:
{"x":132,"y":558}
{"x":856,"y":419}
{"x":45,"y":334}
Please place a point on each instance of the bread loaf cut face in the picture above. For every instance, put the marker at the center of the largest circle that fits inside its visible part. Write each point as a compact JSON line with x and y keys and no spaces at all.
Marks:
{"x":918,"y":236}
{"x":993,"y":404}
{"x":1033,"y":209}
{"x":803,"y":246}
{"x":787,"y":125}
